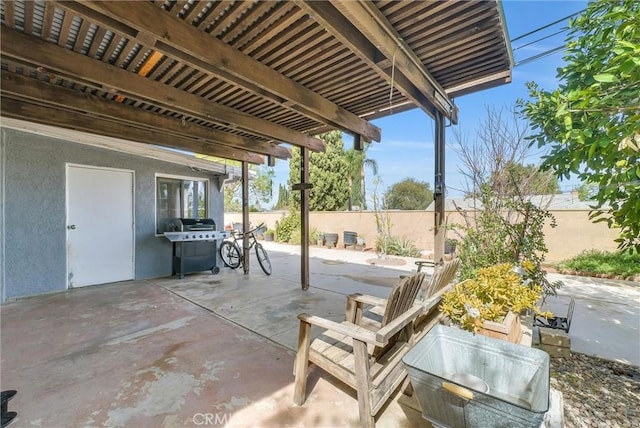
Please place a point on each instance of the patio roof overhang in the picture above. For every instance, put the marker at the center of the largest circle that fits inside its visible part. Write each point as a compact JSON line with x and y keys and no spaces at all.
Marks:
{"x":237,"y":79}
{"x":243,"y":80}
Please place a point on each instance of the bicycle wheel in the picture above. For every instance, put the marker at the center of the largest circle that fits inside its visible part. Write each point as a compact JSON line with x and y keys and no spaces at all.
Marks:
{"x":263,"y":258}
{"x":230,"y":254}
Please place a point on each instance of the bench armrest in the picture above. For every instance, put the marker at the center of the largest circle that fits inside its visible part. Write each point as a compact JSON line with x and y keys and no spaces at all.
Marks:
{"x":348,"y":329}
{"x":366,"y":299}
{"x":385,"y":333}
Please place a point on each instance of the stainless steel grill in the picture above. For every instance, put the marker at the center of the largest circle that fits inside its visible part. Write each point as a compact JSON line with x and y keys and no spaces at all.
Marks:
{"x":195,"y":246}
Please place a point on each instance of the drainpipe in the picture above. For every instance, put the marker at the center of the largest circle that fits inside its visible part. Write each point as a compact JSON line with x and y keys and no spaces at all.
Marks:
{"x":439,"y":188}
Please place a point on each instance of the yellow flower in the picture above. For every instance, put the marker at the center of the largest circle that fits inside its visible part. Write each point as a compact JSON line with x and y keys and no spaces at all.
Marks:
{"x":528,"y":265}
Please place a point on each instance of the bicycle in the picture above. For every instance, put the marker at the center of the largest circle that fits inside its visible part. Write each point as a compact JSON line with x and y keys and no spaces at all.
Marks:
{"x":232,"y":253}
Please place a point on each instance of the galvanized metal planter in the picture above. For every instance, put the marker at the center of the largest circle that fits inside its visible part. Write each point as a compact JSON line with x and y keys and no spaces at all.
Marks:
{"x":463,"y":379}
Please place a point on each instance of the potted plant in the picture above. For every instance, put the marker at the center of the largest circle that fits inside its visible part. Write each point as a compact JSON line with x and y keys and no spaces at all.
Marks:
{"x":491,"y":302}
{"x":450,"y":245}
{"x":269,"y":234}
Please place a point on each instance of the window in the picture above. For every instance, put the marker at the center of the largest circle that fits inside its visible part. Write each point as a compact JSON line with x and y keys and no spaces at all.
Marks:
{"x":178,"y":197}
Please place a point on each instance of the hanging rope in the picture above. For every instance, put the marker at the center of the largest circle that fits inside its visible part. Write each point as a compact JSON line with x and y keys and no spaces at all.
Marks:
{"x":393,"y":75}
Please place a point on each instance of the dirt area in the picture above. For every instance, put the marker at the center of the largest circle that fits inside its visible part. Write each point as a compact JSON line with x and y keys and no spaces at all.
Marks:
{"x":391,"y":261}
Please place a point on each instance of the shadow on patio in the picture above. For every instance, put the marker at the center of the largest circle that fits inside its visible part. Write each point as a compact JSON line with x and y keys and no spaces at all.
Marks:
{"x":205,"y":350}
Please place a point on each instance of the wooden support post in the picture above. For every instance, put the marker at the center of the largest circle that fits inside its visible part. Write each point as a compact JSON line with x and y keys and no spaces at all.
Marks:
{"x":304,"y":216}
{"x":245,"y":215}
{"x":439,"y":189}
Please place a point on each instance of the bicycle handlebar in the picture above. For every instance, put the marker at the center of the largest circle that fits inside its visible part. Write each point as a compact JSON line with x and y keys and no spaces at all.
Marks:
{"x":252,"y":231}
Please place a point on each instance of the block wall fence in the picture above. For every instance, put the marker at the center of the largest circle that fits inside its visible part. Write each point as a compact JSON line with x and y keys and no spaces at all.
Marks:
{"x":573,"y":234}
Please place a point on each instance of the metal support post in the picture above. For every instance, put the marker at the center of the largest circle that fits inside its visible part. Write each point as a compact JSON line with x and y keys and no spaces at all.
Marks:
{"x":439,"y":189}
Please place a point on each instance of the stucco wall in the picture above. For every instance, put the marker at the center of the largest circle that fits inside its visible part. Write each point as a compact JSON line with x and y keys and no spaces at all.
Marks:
{"x":35,"y":209}
{"x":573,"y":234}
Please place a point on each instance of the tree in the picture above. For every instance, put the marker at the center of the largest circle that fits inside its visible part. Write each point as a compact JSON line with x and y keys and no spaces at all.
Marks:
{"x":516,"y":176}
{"x":357,"y":161}
{"x":408,"y":194}
{"x":284,"y":196}
{"x":328,"y":173}
{"x":586,"y":191}
{"x":260,"y":189}
{"x":591,"y":122}
{"x":506,"y":226}
{"x":496,"y":158}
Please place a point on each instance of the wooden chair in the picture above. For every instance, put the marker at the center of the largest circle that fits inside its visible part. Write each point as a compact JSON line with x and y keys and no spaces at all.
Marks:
{"x":442,"y":275}
{"x":365,"y":356}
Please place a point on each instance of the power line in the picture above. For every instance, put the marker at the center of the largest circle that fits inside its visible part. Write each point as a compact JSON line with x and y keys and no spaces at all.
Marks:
{"x":547,"y":26}
{"x":541,"y":39}
{"x":540,"y":55}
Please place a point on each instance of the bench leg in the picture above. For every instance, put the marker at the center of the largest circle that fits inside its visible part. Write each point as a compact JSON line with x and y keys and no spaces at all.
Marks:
{"x":302,"y":364}
{"x":363,"y":384}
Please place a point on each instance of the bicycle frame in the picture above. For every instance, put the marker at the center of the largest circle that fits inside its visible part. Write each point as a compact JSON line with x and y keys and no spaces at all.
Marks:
{"x":233,"y":255}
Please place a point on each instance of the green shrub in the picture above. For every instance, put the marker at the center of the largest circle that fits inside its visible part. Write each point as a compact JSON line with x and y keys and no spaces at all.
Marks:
{"x":314,"y":234}
{"x":395,"y":246}
{"x":295,"y":238}
{"x":286,"y":226}
{"x":508,"y":229}
{"x":604,"y":262}
{"x":488,"y":296}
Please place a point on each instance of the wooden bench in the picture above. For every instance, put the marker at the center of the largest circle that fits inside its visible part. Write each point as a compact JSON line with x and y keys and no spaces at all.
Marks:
{"x":364,"y":355}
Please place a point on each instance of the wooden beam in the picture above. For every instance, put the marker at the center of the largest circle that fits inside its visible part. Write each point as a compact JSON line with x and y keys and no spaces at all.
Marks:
{"x":304,"y":222}
{"x":486,"y":82}
{"x":18,"y":109}
{"x":246,"y":243}
{"x":343,"y":29}
{"x":365,"y":30}
{"x":181,"y":40}
{"x":116,"y":80}
{"x":21,"y":87}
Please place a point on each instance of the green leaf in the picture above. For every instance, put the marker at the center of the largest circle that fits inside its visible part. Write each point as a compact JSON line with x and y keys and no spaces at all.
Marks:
{"x":567,"y":121}
{"x":605,"y":78}
{"x":627,"y":44}
{"x":627,"y":66}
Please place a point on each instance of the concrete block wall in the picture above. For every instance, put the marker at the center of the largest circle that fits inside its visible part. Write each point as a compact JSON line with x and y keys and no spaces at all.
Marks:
{"x":574,"y":232}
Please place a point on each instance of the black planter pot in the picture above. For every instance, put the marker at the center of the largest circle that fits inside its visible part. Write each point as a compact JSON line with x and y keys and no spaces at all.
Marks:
{"x":349,"y":238}
{"x":331,"y":239}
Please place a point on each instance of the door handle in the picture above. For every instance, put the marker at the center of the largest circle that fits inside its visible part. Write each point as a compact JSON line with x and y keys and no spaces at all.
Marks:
{"x":73,"y":226}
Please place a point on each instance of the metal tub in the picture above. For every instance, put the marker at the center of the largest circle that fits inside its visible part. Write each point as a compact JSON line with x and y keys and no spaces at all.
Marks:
{"x":463,"y":379}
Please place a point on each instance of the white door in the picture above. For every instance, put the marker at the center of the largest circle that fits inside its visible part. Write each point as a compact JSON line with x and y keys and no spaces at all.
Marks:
{"x":100,"y":225}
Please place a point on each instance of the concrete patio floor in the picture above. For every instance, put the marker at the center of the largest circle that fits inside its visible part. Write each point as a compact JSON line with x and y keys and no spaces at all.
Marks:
{"x":153,"y":353}
{"x":213,"y":350}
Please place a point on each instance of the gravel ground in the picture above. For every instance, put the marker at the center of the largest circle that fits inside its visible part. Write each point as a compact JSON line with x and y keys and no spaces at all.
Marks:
{"x":596,"y":392}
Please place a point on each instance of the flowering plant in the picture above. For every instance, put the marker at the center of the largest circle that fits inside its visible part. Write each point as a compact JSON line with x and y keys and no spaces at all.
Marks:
{"x":490,"y":295}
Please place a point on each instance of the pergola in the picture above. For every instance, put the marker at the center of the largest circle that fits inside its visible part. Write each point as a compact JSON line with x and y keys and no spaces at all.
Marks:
{"x":238,"y":79}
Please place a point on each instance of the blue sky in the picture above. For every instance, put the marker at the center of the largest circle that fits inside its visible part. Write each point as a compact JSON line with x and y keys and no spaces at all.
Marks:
{"x":407,"y":149}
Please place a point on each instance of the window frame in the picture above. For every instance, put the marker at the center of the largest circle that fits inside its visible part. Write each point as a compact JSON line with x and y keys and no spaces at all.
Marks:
{"x":183,"y":178}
